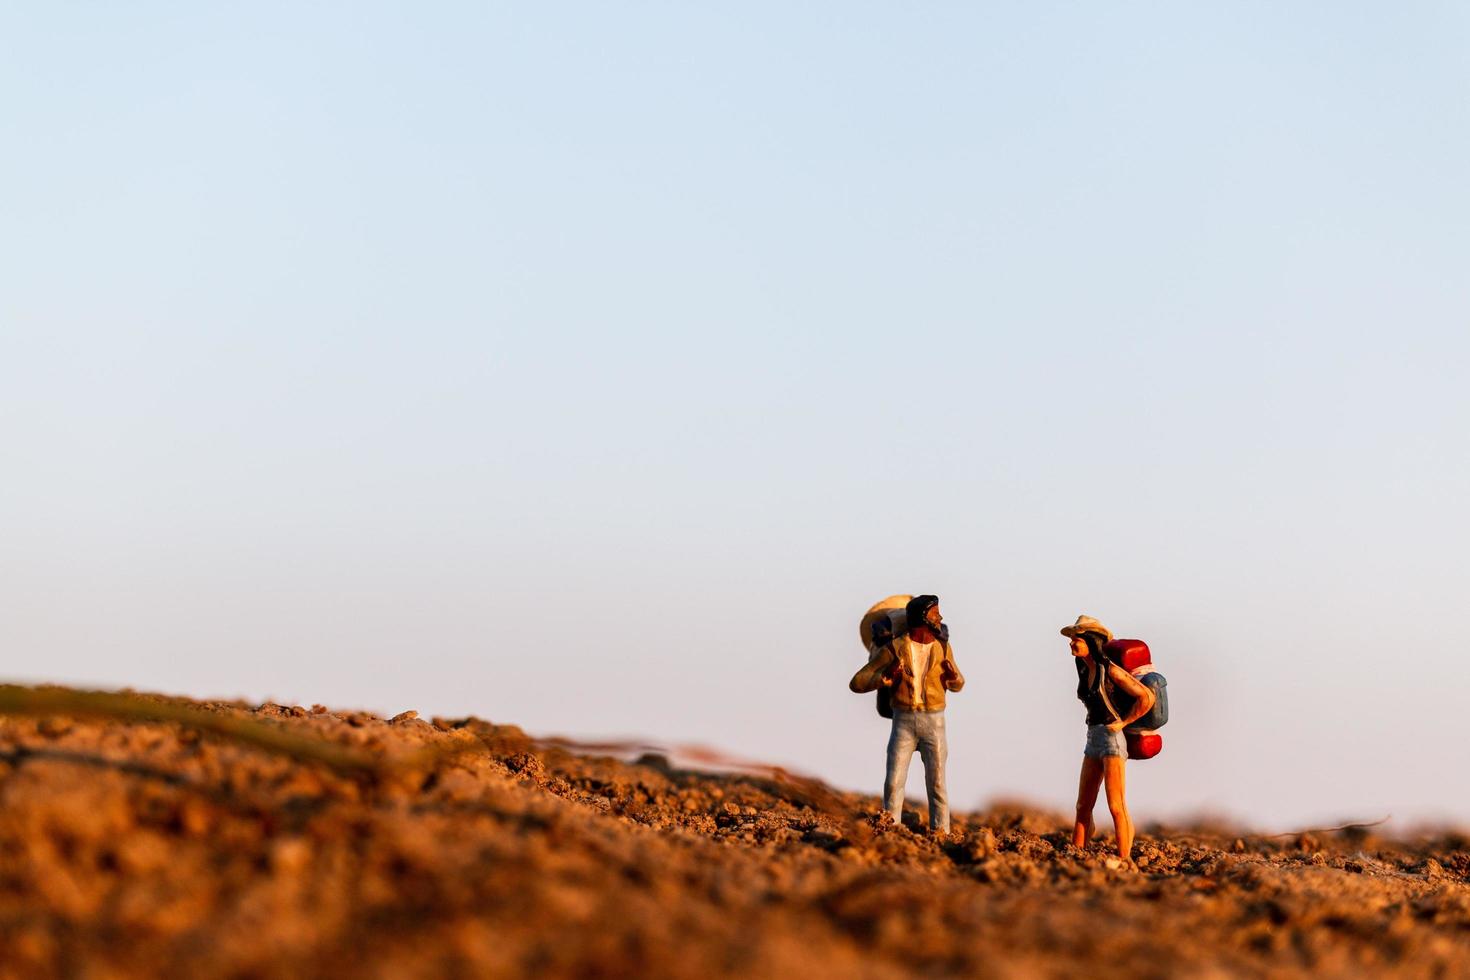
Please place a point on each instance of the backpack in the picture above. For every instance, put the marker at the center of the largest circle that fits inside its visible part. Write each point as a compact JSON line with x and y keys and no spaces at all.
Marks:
{"x":1144,"y":741}
{"x":880,"y":624}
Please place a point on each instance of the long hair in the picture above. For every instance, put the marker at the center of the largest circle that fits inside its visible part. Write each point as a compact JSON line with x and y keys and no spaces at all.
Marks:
{"x":1097,"y":650}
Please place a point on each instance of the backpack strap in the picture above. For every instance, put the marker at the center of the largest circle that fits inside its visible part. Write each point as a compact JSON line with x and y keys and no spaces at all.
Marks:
{"x":1102,"y":689}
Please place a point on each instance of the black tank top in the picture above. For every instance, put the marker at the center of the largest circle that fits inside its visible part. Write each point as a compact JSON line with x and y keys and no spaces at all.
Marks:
{"x":1095,"y":692}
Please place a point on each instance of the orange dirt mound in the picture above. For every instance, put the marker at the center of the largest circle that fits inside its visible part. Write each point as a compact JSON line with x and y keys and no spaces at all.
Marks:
{"x":145,"y":849}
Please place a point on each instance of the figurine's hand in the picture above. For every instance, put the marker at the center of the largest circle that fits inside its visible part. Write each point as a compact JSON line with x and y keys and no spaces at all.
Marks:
{"x":882,"y":632}
{"x":1115,"y":726}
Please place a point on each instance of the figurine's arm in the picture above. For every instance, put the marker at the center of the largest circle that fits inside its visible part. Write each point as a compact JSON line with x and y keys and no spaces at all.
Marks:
{"x":874,"y":674}
{"x":1143,"y":698}
{"x":949,"y":672}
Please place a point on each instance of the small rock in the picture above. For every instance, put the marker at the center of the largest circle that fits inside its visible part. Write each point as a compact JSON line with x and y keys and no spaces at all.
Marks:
{"x":402,"y":717}
{"x":1430,"y":868}
{"x":529,"y":765}
{"x":654,"y":760}
{"x":976,"y":846}
{"x":290,"y":856}
{"x":827,"y":839}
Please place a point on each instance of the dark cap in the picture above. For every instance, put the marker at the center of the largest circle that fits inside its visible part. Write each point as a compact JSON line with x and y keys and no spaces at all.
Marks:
{"x":918,"y":607}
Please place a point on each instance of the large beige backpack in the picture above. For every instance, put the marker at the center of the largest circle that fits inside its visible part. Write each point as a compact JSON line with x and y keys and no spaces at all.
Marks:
{"x":898,"y":624}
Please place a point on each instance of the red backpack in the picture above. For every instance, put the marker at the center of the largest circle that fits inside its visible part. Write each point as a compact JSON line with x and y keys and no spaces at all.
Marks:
{"x":1144,"y":741}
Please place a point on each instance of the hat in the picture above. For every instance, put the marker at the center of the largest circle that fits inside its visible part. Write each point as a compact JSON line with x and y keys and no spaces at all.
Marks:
{"x":1086,"y":624}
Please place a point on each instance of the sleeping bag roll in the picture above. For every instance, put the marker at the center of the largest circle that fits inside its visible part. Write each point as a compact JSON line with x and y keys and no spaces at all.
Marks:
{"x":1143,"y":745}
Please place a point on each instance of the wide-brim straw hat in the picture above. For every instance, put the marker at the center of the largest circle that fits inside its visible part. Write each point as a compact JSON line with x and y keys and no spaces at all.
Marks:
{"x":1086,"y":624}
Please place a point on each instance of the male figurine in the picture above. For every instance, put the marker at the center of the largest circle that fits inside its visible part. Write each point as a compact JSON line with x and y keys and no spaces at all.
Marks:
{"x":917,"y":668}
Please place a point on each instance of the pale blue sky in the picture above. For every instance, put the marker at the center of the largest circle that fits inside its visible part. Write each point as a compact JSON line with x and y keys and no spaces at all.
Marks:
{"x":593,"y":366}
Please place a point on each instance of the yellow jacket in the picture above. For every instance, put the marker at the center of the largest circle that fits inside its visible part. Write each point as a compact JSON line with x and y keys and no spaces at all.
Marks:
{"x":910,"y":693}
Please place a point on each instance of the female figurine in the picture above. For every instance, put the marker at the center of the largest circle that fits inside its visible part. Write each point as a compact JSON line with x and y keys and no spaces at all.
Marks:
{"x":1114,"y":699}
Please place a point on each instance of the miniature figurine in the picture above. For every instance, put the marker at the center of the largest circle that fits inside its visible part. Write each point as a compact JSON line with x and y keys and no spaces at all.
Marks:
{"x":912,"y":663}
{"x":1103,"y":686}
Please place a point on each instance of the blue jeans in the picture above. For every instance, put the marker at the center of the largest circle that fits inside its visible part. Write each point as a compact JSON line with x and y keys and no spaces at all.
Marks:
{"x":922,"y":730}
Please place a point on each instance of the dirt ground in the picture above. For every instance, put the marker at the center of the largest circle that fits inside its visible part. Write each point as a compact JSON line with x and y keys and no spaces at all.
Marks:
{"x":135,"y":849}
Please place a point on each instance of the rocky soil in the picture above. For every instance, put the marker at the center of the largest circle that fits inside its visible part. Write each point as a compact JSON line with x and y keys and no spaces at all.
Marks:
{"x":138,"y":849}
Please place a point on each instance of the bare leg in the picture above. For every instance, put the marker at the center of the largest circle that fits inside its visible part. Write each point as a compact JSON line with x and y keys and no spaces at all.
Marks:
{"x":1087,"y":787}
{"x":1118,"y":806}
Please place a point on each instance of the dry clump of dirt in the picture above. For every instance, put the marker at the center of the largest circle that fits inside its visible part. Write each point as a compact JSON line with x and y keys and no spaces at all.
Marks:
{"x":146,"y":850}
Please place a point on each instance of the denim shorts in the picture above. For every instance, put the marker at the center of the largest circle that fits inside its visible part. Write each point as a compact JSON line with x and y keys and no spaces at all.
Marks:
{"x":1102,"y":743}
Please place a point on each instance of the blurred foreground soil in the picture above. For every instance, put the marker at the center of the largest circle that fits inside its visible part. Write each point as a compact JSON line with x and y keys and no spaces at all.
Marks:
{"x":147,"y":850}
